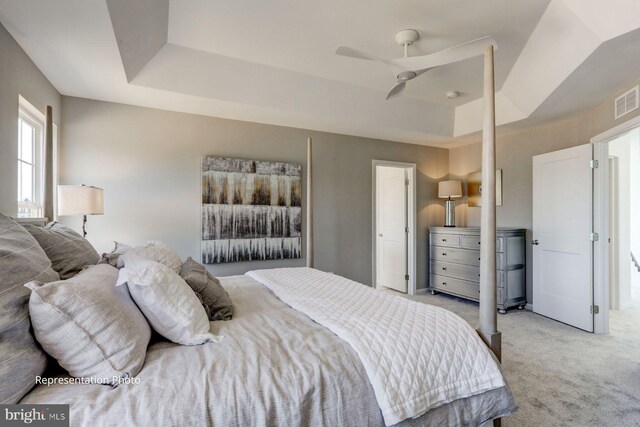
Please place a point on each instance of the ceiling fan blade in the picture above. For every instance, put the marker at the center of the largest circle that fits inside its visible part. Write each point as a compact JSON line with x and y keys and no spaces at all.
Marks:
{"x":355,"y":53}
{"x":446,"y":56}
{"x":396,"y":89}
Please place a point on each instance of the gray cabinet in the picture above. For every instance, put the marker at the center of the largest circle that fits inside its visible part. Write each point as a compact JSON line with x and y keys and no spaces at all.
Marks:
{"x":454,"y":264}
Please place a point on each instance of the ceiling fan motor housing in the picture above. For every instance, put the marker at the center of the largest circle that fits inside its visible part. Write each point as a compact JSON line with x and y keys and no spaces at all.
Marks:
{"x":406,"y":37}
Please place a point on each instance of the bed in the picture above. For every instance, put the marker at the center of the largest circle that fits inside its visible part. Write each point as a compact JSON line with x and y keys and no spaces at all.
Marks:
{"x":274,"y":367}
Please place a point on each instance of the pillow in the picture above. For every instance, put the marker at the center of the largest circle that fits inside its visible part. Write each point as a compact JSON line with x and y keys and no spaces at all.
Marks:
{"x":154,"y":251}
{"x":112,"y":257}
{"x":21,"y":260}
{"x":214,"y":298}
{"x":167,"y":301}
{"x":68,"y":251}
{"x":90,"y":326}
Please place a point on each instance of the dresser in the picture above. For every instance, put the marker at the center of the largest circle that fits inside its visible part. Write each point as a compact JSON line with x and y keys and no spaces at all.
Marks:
{"x":454,"y":264}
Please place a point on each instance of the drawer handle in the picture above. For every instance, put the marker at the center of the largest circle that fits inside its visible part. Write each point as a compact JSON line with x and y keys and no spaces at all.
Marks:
{"x":444,"y":268}
{"x":444,"y":283}
{"x":444,"y":240}
{"x":444,"y":254}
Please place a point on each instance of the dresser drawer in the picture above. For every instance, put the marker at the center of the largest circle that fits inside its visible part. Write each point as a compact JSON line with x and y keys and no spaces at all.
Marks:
{"x":455,"y":286}
{"x":473,"y":242}
{"x":446,"y":240}
{"x":465,"y":272}
{"x":459,"y":271}
{"x":461,"y":256}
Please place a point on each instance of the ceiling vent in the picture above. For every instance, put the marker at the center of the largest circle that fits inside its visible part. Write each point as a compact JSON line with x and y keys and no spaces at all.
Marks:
{"x":627,"y":102}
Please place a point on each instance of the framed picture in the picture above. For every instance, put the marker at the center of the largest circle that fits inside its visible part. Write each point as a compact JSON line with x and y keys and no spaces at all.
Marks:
{"x":251,"y":210}
{"x":474,"y":188}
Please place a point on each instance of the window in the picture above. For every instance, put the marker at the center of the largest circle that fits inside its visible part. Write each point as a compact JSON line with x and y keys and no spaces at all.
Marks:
{"x":30,"y":161}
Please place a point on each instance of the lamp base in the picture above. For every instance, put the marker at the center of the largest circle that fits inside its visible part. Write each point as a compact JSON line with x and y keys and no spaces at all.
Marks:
{"x":450,"y":213}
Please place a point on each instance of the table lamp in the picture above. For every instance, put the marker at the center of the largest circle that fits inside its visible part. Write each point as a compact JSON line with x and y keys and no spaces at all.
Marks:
{"x":80,"y":200}
{"x":447,"y":190}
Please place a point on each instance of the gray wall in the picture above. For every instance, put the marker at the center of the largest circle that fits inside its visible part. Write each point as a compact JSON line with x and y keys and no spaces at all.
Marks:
{"x":18,"y":76}
{"x":148,"y":163}
{"x":514,"y":156}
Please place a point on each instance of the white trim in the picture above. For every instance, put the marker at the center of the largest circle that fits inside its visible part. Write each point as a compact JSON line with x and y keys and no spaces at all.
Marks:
{"x":601,"y":221}
{"x":411,"y":207}
{"x":614,"y":260}
{"x":38,"y":222}
{"x":25,"y":105}
{"x":528,"y":307}
{"x":610,"y":134}
{"x":30,"y":115}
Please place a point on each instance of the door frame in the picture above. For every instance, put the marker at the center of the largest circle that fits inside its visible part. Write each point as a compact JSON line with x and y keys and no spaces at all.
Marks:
{"x":614,"y":231}
{"x":411,"y":221}
{"x":601,"y":221}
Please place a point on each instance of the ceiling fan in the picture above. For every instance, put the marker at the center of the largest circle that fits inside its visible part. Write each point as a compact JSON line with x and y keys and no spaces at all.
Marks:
{"x":410,"y":67}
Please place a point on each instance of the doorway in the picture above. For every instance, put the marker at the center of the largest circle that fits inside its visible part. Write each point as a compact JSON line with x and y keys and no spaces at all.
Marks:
{"x":616,"y":205}
{"x":394,"y":225}
{"x":624,"y":206}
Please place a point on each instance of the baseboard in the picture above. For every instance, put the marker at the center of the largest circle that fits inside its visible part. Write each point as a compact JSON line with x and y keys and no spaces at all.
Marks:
{"x":528,"y":307}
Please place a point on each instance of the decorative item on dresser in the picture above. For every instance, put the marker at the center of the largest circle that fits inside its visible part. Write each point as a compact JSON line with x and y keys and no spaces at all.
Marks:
{"x":455,"y":264}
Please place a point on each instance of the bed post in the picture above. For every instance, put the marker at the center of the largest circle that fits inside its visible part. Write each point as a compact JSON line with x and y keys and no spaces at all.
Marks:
{"x":309,"y":205}
{"x":488,"y":318}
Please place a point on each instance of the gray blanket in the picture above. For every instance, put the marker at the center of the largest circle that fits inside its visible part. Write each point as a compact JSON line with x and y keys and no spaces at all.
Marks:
{"x":275,"y":367}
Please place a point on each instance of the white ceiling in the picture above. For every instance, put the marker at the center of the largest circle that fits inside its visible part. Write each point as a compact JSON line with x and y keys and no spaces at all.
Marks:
{"x":274,"y":62}
{"x":302,"y":36}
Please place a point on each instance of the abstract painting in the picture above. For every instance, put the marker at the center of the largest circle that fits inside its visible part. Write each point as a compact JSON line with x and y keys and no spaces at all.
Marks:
{"x":251,"y":210}
{"x":474,"y":188}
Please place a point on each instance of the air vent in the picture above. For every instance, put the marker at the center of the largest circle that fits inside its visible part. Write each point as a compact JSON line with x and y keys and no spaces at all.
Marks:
{"x":627,"y":102}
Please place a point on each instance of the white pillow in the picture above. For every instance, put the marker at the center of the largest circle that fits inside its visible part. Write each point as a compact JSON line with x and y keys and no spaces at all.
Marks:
{"x":153,"y":250}
{"x":167,"y":301}
{"x":91,"y":327}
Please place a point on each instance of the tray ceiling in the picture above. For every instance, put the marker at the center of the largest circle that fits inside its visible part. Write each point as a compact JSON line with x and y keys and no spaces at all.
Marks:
{"x":274,"y":62}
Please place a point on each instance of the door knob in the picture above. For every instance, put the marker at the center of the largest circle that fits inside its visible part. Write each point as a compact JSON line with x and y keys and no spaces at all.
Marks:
{"x":535,"y":242}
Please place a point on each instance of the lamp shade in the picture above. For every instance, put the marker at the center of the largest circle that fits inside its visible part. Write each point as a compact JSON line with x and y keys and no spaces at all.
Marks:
{"x":80,"y":200}
{"x":448,"y":189}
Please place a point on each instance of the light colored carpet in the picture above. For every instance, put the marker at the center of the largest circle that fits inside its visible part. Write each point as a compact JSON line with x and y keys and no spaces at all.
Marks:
{"x":561,"y":376}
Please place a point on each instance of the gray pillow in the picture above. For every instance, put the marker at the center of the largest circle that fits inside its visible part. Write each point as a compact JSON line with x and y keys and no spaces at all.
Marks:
{"x":21,"y":260}
{"x":90,"y":326}
{"x":112,"y":257}
{"x":214,"y":298}
{"x":68,"y":251}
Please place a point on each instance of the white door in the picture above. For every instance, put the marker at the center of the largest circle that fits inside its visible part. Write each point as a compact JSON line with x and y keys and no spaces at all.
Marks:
{"x":391,"y":217}
{"x":562,"y":226}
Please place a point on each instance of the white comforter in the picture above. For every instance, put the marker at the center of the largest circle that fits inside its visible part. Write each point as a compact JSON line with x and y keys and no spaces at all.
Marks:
{"x":417,"y":356}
